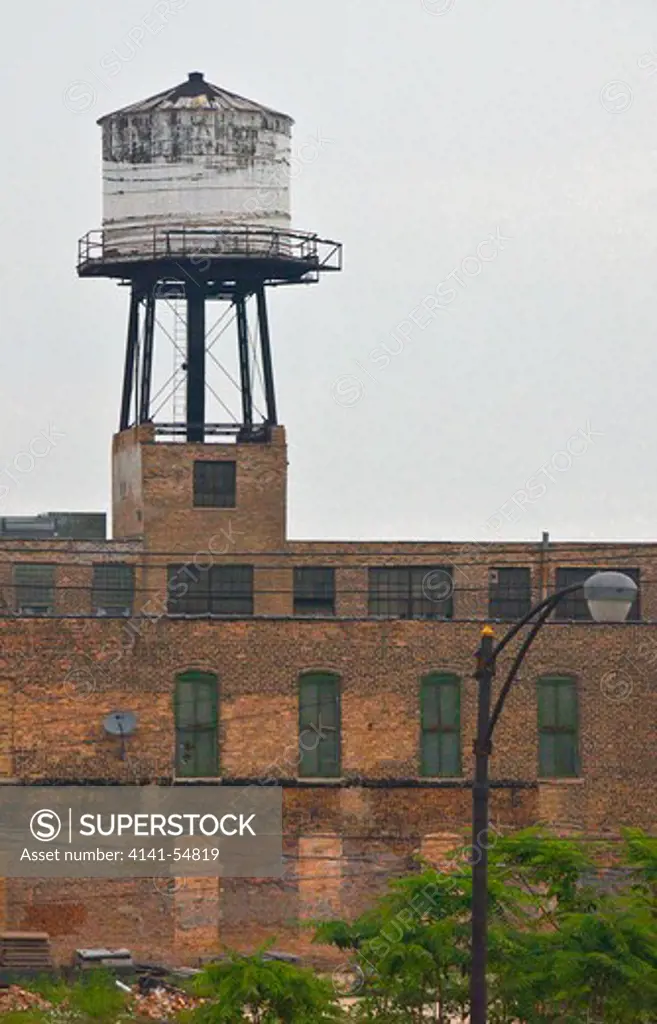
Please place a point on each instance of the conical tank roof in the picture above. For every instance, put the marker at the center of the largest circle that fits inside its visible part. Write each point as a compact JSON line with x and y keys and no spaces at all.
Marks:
{"x":196,"y":94}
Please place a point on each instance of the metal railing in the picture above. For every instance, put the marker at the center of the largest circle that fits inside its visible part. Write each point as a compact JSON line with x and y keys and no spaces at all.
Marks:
{"x":199,"y":245}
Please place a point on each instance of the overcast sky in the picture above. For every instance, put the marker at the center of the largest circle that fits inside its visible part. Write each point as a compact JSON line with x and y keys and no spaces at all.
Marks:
{"x":501,"y":158}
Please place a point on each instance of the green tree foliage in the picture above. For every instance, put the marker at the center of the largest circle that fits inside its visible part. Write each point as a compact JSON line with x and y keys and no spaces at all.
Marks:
{"x":412,"y":948}
{"x":561,"y":951}
{"x":641,"y":855}
{"x":265,"y":992}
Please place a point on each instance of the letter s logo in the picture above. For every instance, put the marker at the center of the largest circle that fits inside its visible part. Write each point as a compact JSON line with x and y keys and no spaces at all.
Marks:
{"x":45,"y":825}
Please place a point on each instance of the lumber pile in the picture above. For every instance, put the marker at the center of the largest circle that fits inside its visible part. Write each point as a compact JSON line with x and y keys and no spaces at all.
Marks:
{"x":25,"y":951}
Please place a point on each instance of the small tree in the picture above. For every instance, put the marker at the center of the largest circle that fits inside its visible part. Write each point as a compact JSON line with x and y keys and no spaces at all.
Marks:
{"x":412,"y":947}
{"x":264,"y":991}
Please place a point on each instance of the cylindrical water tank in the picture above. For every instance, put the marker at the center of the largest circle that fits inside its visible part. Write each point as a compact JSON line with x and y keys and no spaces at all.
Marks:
{"x":193,"y":157}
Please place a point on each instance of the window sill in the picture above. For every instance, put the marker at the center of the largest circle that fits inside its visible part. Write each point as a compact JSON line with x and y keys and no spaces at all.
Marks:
{"x":200,"y":778}
{"x":321,"y":780}
{"x":441,"y":778}
{"x":565,"y":781}
{"x":322,"y":613}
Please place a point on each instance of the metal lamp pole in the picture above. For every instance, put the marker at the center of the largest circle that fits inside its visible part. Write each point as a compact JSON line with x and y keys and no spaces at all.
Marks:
{"x":610,"y":596}
{"x":480,"y":799}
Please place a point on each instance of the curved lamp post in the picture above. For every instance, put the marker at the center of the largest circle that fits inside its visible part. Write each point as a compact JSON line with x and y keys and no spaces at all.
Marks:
{"x":610,"y":596}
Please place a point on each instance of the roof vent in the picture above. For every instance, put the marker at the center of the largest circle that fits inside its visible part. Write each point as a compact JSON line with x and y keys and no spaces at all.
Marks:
{"x":196,"y":76}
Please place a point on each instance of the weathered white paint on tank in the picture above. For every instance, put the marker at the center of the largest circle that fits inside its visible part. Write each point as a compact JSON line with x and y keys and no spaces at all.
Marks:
{"x":196,"y":168}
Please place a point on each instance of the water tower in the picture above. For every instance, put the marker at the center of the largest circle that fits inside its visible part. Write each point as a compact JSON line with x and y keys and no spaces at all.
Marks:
{"x":196,"y":217}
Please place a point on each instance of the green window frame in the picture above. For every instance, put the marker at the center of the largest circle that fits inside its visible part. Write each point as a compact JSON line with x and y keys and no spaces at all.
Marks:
{"x":196,"y":702}
{"x":34,"y":585}
{"x":440,"y":710}
{"x":319,"y":725}
{"x":558,"y":727}
{"x":113,"y":588}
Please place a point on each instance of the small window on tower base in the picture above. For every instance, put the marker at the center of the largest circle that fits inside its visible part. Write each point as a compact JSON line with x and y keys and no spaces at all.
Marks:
{"x":214,"y":484}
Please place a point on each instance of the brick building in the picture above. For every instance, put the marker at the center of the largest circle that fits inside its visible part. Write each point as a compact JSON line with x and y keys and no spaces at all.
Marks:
{"x":201,"y":602}
{"x":341,"y":672}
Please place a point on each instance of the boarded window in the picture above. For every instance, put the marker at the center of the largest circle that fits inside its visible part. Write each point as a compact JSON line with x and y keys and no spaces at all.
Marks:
{"x":575,"y":606}
{"x":197,"y":747}
{"x":35,"y":589}
{"x":218,"y":590}
{"x":113,"y":589}
{"x":319,"y":725}
{"x":215,"y":484}
{"x":558,"y":727}
{"x":441,"y":724}
{"x":415,"y":592}
{"x":314,"y":591}
{"x":509,"y":593}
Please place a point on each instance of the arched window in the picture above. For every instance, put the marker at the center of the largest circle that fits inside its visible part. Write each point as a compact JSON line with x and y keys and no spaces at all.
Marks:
{"x":558,"y":727}
{"x":440,"y":706}
{"x":196,"y":702}
{"x":319,"y":725}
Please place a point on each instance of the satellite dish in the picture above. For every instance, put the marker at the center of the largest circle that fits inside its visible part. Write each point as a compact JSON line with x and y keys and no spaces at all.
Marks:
{"x":121,"y":723}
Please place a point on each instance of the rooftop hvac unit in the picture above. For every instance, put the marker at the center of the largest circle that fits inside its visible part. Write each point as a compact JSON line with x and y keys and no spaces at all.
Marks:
{"x":79,"y":525}
{"x":27,"y":527}
{"x":61,"y":525}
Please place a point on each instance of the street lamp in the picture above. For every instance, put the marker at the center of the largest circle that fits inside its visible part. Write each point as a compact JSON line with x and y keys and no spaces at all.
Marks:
{"x":610,"y":596}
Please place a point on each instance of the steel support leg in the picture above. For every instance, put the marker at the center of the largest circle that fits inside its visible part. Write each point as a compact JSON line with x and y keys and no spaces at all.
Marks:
{"x":245,"y":362}
{"x":265,"y":347}
{"x":147,"y":359}
{"x":130,"y":353}
{"x":195,"y":363}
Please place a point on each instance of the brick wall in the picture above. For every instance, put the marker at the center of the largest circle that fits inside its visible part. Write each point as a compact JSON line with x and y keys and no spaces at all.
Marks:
{"x":59,"y":677}
{"x":360,"y":833}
